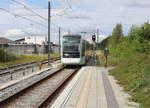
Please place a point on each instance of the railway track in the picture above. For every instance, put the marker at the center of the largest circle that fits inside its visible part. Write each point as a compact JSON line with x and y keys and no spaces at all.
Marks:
{"x":8,"y":73}
{"x":25,"y":65}
{"x":40,"y":93}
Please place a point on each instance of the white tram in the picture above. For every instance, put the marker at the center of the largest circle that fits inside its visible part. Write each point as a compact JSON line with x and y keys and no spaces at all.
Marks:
{"x":72,"y":50}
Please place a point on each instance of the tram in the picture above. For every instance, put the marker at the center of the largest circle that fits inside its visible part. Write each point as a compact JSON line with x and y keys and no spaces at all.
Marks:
{"x":72,"y":50}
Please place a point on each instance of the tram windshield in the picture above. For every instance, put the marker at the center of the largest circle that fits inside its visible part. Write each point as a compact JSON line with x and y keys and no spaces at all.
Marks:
{"x":71,"y":39}
{"x":71,"y":48}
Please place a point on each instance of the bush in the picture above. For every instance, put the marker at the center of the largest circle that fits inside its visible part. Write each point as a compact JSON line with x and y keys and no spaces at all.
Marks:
{"x":5,"y":56}
{"x":137,"y":42}
{"x":131,"y":58}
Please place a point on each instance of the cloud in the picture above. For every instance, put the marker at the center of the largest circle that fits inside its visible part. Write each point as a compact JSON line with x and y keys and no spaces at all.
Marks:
{"x":139,"y":5}
{"x":131,"y":3}
{"x":19,"y":33}
{"x":85,"y":15}
{"x":12,"y":34}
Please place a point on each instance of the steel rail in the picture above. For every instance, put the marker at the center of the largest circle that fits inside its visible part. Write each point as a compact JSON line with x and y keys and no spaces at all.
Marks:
{"x":56,"y":76}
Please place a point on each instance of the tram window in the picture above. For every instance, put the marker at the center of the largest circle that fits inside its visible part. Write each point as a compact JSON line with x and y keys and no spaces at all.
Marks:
{"x":71,"y":39}
{"x":70,"y":48}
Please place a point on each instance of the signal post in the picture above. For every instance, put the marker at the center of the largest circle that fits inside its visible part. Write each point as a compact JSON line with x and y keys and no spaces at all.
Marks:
{"x":94,"y":47}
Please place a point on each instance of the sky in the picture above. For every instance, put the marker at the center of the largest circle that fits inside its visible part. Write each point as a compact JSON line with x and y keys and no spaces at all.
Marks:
{"x":72,"y":16}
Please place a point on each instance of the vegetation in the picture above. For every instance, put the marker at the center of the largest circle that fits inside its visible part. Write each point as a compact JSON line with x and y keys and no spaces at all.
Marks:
{"x":19,"y":59}
{"x":131,"y":57}
{"x":5,"y":56}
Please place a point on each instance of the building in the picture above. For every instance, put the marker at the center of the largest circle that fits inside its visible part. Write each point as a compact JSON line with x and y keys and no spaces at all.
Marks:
{"x":27,"y":45}
{"x":4,"y":40}
{"x":31,"y":40}
{"x":55,"y":48}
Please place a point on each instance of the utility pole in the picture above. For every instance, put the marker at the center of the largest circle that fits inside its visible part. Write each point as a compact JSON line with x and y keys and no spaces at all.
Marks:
{"x":68,"y":31}
{"x":94,"y":32}
{"x":49,"y":27}
{"x":84,"y":33}
{"x":59,"y":40}
{"x":97,"y":38}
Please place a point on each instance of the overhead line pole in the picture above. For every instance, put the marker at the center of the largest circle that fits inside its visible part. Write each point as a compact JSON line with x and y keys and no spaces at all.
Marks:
{"x":59,"y":40}
{"x":49,"y":31}
{"x":97,"y":38}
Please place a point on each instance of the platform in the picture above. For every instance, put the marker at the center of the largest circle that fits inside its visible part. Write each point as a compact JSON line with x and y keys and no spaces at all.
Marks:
{"x":92,"y":87}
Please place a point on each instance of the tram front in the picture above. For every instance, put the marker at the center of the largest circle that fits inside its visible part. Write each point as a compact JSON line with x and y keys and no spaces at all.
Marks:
{"x":70,"y":51}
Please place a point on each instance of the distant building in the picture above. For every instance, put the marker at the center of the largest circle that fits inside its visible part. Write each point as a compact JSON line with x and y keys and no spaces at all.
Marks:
{"x":32,"y":40}
{"x":55,"y":48}
{"x":4,"y":40}
{"x":27,"y":45}
{"x":20,"y":41}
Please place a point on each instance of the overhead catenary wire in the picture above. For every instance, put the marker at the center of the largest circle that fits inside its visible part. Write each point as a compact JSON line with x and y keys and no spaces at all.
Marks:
{"x":70,"y":7}
{"x":30,"y":9}
{"x":76,"y":17}
{"x":36,"y":22}
{"x":25,"y":18}
{"x":71,"y":18}
{"x":17,"y":15}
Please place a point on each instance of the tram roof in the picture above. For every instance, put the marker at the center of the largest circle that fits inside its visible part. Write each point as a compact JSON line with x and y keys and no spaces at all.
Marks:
{"x":72,"y":35}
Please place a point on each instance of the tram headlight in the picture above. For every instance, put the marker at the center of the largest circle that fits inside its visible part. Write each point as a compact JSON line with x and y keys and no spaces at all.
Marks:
{"x":66,"y":55}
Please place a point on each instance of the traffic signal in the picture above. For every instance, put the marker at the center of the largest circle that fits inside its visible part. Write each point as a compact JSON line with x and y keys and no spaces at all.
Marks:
{"x":93,"y":37}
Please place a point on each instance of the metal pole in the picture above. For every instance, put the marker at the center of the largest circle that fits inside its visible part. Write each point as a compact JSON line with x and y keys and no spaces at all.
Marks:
{"x":68,"y":31}
{"x":3,"y":47}
{"x":59,"y":40}
{"x":5,"y":54}
{"x":49,"y":22}
{"x":94,"y":31}
{"x":84,"y":33}
{"x":85,"y":42}
{"x":97,"y":38}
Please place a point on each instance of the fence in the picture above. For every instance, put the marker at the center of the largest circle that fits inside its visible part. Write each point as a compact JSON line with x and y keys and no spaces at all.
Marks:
{"x":27,"y":49}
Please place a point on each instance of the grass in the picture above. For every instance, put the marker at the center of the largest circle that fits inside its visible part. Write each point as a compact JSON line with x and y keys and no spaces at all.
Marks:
{"x":133,"y":73}
{"x":112,"y":61}
{"x":26,"y":58}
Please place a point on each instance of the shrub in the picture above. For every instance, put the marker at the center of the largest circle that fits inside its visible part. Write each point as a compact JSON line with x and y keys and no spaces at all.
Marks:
{"x":5,"y":56}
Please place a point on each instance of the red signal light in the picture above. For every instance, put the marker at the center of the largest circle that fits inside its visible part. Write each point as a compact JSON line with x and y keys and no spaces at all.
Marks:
{"x":93,"y":37}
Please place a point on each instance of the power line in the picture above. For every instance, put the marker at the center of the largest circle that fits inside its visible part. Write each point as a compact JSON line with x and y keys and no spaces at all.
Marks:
{"x":64,"y":11}
{"x":17,"y":15}
{"x":29,"y":9}
{"x":40,"y":15}
{"x":72,"y":18}
{"x":59,"y":14}
{"x":25,"y":18}
{"x":36,"y":14}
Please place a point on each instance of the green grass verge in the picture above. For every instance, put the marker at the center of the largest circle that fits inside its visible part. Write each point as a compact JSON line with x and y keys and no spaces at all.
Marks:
{"x":26,"y":58}
{"x":133,"y":73}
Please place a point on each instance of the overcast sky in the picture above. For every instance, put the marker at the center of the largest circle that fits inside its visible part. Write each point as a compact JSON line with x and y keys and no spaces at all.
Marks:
{"x":71,"y":15}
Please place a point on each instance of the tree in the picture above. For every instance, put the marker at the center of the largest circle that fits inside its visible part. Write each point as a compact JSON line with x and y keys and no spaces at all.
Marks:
{"x":145,"y":38}
{"x":104,"y":43}
{"x":134,"y":32}
{"x":117,"y":34}
{"x":145,"y":31}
